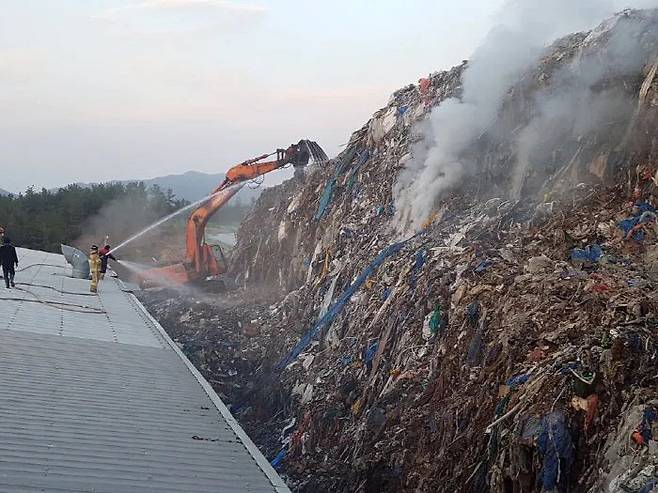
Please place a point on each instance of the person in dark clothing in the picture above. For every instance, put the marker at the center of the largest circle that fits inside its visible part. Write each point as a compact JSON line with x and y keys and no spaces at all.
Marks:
{"x":106,"y":255}
{"x":8,"y":260}
{"x":2,"y":236}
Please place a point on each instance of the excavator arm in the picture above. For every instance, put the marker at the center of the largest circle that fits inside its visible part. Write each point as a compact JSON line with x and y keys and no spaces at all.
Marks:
{"x":201,"y":260}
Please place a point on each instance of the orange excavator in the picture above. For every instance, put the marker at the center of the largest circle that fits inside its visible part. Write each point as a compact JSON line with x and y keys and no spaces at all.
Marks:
{"x":205,"y":261}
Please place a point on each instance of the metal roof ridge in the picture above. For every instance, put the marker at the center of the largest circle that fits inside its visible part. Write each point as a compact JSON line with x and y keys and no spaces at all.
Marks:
{"x":274,"y":478}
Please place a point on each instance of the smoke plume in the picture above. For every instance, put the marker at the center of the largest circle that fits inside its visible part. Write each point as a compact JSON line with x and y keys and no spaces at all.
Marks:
{"x":586,"y":97}
{"x":524,"y":30}
{"x":119,"y":218}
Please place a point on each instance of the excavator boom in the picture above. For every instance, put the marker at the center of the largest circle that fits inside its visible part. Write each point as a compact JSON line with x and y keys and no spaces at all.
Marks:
{"x":201,"y":258}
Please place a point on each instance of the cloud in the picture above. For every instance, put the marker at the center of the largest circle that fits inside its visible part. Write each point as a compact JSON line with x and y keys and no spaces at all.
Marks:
{"x":21,"y":65}
{"x":169,"y":5}
{"x":158,"y":17}
{"x":221,"y":4}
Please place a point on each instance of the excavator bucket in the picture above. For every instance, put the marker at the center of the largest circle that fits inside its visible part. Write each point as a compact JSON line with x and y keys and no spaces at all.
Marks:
{"x":315,"y":151}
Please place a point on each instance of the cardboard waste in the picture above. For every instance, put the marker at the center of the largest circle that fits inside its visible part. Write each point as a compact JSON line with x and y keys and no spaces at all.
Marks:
{"x":510,"y":346}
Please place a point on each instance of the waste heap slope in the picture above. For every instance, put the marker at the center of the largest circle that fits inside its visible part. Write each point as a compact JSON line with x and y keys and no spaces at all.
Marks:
{"x":511,"y":344}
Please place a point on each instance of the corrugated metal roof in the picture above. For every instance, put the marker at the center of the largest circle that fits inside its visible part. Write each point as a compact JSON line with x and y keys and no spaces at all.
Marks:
{"x":96,"y":397}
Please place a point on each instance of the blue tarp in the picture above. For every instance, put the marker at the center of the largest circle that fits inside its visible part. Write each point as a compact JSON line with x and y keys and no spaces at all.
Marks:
{"x":346,"y":359}
{"x":418,"y":267}
{"x":370,"y":352}
{"x":648,"y":488}
{"x":517,"y":380}
{"x":325,"y":198}
{"x":483,"y":265}
{"x":648,"y":418}
{"x":420,"y":260}
{"x":556,"y":449}
{"x":327,"y":194}
{"x":363,"y":157}
{"x":338,"y":306}
{"x":591,"y":253}
{"x":645,"y":213}
{"x":645,"y":207}
{"x":276,"y":462}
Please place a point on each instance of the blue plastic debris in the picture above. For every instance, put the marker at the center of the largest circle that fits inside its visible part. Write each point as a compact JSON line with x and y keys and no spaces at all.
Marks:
{"x":473,"y":313}
{"x":325,"y":199}
{"x":645,"y":207}
{"x":386,"y":294}
{"x":388,"y":210}
{"x":628,"y":224}
{"x":567,"y":367}
{"x":346,"y":359}
{"x":369,"y":352}
{"x":556,"y":448}
{"x":338,"y":306}
{"x":591,"y":253}
{"x":517,"y":381}
{"x":420,"y":260}
{"x":649,"y":487}
{"x":327,"y":193}
{"x":645,"y":213}
{"x":649,"y":416}
{"x":362,"y":159}
{"x":418,"y":266}
{"x":278,"y":460}
{"x":483,"y":265}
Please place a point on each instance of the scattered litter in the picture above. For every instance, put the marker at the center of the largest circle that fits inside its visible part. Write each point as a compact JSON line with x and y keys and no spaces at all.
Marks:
{"x":509,"y":347}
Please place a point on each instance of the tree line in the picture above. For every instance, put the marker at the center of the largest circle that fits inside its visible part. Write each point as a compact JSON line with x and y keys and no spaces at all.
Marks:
{"x":45,"y":219}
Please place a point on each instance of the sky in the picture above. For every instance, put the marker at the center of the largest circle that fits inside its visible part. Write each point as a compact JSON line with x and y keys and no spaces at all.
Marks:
{"x":96,"y":90}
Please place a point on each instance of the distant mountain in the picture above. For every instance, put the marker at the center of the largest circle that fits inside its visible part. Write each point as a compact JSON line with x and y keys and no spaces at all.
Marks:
{"x":4,"y":192}
{"x":195,"y":185}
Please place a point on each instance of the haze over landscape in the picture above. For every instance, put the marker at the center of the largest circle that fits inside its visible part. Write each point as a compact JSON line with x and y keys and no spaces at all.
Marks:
{"x":442,"y":280}
{"x":133,"y":89}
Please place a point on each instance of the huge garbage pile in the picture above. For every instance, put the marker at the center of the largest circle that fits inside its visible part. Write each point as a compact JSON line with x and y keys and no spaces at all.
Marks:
{"x":511,"y":345}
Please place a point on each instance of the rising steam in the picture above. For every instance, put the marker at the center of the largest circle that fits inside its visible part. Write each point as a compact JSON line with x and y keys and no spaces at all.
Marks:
{"x":580,"y":100}
{"x":524,"y":30}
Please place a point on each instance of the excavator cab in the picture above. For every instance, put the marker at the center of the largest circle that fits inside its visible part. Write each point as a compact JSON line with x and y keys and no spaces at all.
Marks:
{"x":216,"y":283}
{"x":220,"y":258}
